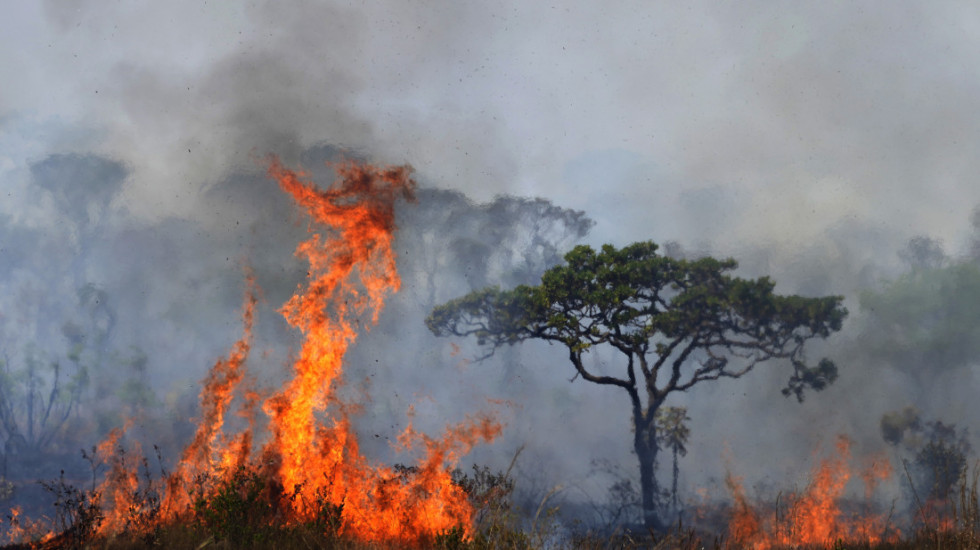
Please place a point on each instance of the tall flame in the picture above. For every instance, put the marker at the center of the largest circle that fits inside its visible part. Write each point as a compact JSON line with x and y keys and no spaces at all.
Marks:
{"x":312,"y":457}
{"x":361,"y":212}
{"x":324,"y":459}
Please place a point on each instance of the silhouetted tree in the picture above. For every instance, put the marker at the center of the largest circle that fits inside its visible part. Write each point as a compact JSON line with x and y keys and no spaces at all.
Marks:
{"x":922,"y":252}
{"x":676,"y":322}
{"x":942,"y":459}
{"x":939,"y":452}
{"x":36,"y":402}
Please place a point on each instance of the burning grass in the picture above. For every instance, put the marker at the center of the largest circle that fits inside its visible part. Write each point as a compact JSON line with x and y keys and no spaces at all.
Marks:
{"x":244,"y":509}
{"x":238,"y":514}
{"x":814,"y":516}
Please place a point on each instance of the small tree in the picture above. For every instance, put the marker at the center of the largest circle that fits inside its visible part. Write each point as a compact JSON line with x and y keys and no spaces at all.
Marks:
{"x":35,"y":404}
{"x":942,"y":460}
{"x":676,"y":322}
{"x":672,"y":432}
{"x":940,"y":453}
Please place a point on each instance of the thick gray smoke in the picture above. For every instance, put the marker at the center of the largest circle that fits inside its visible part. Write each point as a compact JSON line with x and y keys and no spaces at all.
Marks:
{"x":812,"y":143}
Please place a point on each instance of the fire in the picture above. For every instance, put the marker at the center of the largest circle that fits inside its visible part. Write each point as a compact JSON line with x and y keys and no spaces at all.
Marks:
{"x":21,"y":528}
{"x":813,"y":516}
{"x":312,"y":457}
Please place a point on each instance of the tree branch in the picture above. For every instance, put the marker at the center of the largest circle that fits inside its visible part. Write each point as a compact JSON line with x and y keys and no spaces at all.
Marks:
{"x":675,"y":372}
{"x":576,"y":358}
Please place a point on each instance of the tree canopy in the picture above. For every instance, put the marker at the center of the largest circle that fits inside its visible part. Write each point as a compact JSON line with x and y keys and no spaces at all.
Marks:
{"x":656,"y":310}
{"x":926,"y":319}
{"x":676,"y":322}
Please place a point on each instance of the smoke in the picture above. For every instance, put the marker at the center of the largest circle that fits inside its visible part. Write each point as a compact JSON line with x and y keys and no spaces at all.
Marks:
{"x":805,"y":116}
{"x":808,"y":142}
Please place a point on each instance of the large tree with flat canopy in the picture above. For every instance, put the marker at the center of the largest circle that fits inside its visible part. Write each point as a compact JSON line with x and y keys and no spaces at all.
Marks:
{"x":676,"y":322}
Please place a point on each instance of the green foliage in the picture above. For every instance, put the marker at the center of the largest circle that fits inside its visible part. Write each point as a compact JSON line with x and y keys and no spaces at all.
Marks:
{"x":498,"y":523}
{"x":929,"y":317}
{"x":328,"y":518}
{"x":672,"y":428}
{"x":672,"y":433}
{"x":239,"y":510}
{"x":815,"y":378}
{"x":643,"y":303}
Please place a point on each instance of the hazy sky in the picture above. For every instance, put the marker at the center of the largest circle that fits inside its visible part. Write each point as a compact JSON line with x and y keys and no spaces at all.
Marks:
{"x":749,"y":121}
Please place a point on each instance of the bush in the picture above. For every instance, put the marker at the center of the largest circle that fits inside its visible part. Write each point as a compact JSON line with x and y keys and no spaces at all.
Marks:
{"x":239,"y":510}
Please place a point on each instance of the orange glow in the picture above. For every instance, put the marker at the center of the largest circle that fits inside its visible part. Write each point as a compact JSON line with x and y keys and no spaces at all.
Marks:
{"x":813,"y":516}
{"x":24,"y":529}
{"x":312,"y":456}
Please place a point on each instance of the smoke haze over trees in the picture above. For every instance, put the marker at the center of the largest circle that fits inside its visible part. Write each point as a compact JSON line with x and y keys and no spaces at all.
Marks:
{"x":152,"y":299}
{"x":828,"y":146}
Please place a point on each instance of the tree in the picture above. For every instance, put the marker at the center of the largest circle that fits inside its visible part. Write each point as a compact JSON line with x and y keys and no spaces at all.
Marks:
{"x":924,"y":322}
{"x":36,"y":402}
{"x":942,"y":460}
{"x":940,"y":453}
{"x":676,"y":322}
{"x":923,"y":252}
{"x":672,"y":431}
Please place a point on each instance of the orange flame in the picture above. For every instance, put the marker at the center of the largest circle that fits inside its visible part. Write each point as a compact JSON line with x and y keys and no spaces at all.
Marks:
{"x":25,"y":529}
{"x":814,"y":516}
{"x":313,"y":457}
{"x":317,"y":459}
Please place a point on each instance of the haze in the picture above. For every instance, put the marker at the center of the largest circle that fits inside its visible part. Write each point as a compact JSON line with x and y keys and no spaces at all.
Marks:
{"x":809,"y":141}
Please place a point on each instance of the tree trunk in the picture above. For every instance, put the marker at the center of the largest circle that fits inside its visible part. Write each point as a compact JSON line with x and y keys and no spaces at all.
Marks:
{"x":673,"y":484}
{"x":645,"y":445}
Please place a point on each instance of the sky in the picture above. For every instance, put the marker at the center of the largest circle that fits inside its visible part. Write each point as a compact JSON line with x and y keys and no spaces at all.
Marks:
{"x":793,"y":135}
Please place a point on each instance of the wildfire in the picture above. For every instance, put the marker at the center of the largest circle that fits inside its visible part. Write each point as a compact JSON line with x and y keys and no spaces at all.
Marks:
{"x":312,"y":459}
{"x":813,"y":516}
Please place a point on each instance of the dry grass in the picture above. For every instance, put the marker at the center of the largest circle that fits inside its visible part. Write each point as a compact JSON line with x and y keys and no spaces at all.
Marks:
{"x":499,"y":526}
{"x":199,"y":538}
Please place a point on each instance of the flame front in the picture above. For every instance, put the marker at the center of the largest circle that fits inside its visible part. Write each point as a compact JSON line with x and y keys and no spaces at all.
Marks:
{"x":812,"y":517}
{"x":312,"y":458}
{"x":352,"y":269}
